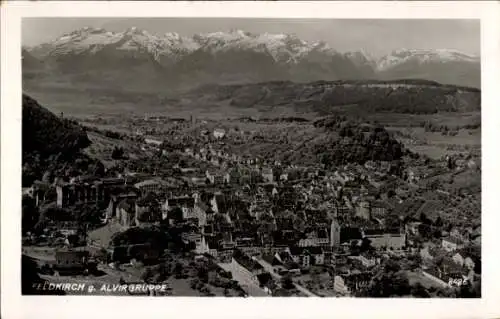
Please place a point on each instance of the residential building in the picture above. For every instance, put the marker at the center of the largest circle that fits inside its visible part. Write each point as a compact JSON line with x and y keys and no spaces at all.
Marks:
{"x":363,"y":210}
{"x":185,"y":204}
{"x":247,"y":265}
{"x":392,"y":239}
{"x":115,"y":200}
{"x":147,"y":211}
{"x":316,"y":237}
{"x":153,"y":141}
{"x":69,"y":194}
{"x":217,"y":177}
{"x":452,"y":243}
{"x":125,"y":212}
{"x":307,"y":256}
{"x":219,"y":133}
{"x":267,"y":175}
{"x":150,"y":186}
{"x":70,"y":260}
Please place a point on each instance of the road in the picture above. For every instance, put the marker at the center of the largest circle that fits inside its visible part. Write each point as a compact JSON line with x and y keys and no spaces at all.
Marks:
{"x":250,"y":287}
{"x":269,"y":268}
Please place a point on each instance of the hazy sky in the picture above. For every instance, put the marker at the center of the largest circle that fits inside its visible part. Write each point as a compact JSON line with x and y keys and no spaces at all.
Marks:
{"x":377,"y":37}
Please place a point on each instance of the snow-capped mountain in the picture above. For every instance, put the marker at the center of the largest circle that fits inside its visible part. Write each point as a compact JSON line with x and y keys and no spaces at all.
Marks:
{"x":132,"y":42}
{"x":402,"y":56}
{"x":442,"y":65}
{"x":282,"y":47}
{"x":241,"y":56}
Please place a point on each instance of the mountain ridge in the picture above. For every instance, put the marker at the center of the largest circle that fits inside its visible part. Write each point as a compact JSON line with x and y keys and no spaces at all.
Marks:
{"x":237,"y":55}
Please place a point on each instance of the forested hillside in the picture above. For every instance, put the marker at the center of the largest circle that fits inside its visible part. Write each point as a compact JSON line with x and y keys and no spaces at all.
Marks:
{"x":51,"y":144}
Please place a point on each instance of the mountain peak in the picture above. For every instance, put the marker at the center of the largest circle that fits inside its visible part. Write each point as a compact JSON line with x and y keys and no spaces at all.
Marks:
{"x":293,"y":57}
{"x":400,"y":56}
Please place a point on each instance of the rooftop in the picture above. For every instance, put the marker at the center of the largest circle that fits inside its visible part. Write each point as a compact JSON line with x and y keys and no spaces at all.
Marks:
{"x":295,"y":251}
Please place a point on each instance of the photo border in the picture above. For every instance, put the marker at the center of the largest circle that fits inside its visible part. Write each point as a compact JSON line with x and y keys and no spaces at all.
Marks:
{"x":16,"y":306}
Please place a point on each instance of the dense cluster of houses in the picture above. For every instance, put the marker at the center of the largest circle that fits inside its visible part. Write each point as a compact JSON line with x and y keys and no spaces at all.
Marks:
{"x":243,"y":210}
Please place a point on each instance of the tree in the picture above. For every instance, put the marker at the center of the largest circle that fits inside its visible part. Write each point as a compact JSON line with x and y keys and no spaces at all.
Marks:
{"x":287,"y":282}
{"x":178,"y":268}
{"x":202,"y":273}
{"x":98,"y":169}
{"x":471,"y":290}
{"x":88,"y":214}
{"x":117,"y":153}
{"x":419,"y":291}
{"x":424,"y":219}
{"x":366,"y":245}
{"x":29,"y":214}
{"x":155,"y":274}
{"x":388,"y":284}
{"x":439,"y":222}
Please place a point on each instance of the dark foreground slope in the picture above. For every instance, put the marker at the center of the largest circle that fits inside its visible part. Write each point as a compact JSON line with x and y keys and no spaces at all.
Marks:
{"x":46,"y":134}
{"x":51,"y":144}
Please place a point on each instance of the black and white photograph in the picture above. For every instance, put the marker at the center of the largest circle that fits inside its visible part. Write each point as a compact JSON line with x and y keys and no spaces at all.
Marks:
{"x":234,"y":157}
{"x":251,"y":157}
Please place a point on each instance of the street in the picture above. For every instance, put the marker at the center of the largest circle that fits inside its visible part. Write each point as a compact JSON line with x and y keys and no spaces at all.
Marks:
{"x":251,"y":288}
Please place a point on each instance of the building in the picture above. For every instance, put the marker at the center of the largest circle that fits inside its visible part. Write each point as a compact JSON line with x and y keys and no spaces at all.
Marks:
{"x":219,"y":133}
{"x":267,"y":175}
{"x":391,"y":239}
{"x":247,"y":265}
{"x":115,"y":200}
{"x":37,"y":191}
{"x":150,"y":186}
{"x":452,"y":243}
{"x":307,"y":256}
{"x":153,"y":141}
{"x":378,"y":209}
{"x":412,"y":228}
{"x":185,"y":204}
{"x":70,"y":260}
{"x":335,"y":234}
{"x":217,"y":177}
{"x":208,"y":245}
{"x":366,"y":262}
{"x":317,"y":237}
{"x":192,"y":238}
{"x":147,"y":211}
{"x":69,"y":194}
{"x":363,"y":210}
{"x":125,"y":213}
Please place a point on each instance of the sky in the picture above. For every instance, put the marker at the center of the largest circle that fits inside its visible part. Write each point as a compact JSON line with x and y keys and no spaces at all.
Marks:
{"x":376,"y":37}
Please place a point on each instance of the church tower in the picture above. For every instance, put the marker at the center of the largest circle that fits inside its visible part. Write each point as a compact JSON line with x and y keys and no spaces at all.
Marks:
{"x":335,"y":234}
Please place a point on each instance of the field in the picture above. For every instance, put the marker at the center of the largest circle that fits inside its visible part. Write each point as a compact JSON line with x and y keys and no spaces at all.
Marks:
{"x":435,"y":144}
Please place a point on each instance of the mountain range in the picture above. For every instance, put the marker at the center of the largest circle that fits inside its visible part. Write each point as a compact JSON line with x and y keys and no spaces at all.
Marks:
{"x":136,"y":58}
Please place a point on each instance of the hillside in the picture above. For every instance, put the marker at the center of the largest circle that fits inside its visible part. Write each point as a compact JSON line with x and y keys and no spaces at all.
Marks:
{"x":51,"y":143}
{"x":323,"y":97}
{"x":46,"y":134}
{"x":346,"y":142}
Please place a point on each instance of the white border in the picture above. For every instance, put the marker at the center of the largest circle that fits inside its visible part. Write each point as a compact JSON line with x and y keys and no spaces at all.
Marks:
{"x":15,"y":306}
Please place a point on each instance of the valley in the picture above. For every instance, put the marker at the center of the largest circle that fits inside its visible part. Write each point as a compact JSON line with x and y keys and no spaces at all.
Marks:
{"x":240,"y":164}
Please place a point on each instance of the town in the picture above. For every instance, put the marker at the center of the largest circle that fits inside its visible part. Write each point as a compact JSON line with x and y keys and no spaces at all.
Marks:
{"x":195,"y":204}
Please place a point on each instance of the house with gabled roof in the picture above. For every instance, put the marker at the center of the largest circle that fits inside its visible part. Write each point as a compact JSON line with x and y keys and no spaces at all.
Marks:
{"x":452,"y":243}
{"x":307,"y":256}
